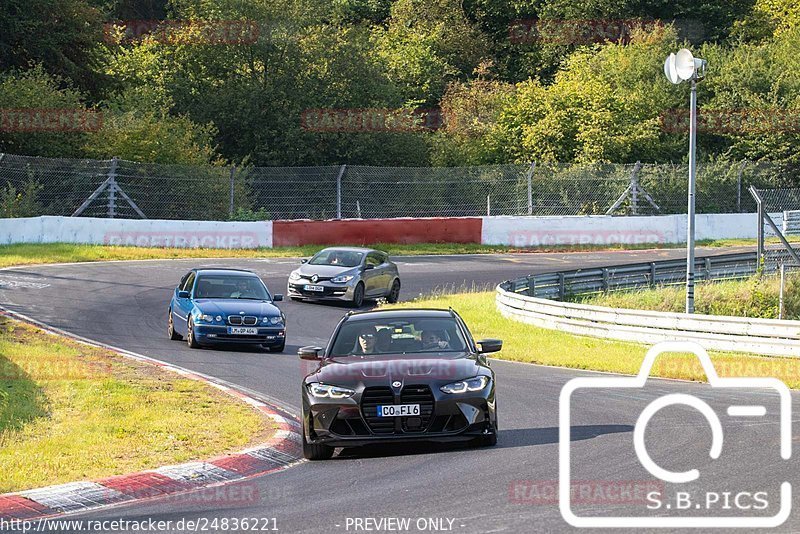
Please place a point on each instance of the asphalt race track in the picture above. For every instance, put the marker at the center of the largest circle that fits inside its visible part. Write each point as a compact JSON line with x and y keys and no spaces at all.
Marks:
{"x":469,"y":490}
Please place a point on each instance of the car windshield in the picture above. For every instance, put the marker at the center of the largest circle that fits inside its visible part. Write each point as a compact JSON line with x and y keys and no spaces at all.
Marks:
{"x":343,"y":258}
{"x":398,"y":336}
{"x":230,"y":287}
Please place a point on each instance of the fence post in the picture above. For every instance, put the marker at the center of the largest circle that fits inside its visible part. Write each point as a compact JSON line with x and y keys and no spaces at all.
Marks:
{"x":531,"y":285}
{"x":780,"y":298}
{"x":605,"y":279}
{"x":488,"y":205}
{"x":530,"y":187}
{"x":708,"y":268}
{"x":562,"y":290}
{"x":652,"y":274}
{"x":760,"y":233}
{"x":635,"y":187}
{"x":112,"y":189}
{"x":230,"y":207}
{"x":339,"y":177}
{"x":739,"y":187}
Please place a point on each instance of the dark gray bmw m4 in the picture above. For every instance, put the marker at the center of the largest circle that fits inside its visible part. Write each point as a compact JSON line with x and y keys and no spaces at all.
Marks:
{"x":397,"y":376}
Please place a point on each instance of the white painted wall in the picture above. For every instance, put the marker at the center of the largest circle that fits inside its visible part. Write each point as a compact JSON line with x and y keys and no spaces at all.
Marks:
{"x":606,"y":230}
{"x":136,"y":232}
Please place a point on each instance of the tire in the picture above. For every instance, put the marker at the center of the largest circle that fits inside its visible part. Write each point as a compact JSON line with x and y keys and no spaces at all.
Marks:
{"x":315,"y":452}
{"x":173,"y":335}
{"x":190,"y":340}
{"x":278,"y":348}
{"x":358,"y":296}
{"x":394,"y":292}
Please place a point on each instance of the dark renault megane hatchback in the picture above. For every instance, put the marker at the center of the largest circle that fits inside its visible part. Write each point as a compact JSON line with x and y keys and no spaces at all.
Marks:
{"x":397,"y":376}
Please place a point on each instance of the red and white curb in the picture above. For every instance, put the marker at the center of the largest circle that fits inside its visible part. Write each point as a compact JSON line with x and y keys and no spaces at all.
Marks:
{"x":283,"y":450}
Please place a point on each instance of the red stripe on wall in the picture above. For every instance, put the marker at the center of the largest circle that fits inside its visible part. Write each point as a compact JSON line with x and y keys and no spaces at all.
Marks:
{"x":366,"y":231}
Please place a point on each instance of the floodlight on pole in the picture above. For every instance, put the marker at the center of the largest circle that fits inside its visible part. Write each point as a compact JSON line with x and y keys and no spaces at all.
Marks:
{"x":678,"y":68}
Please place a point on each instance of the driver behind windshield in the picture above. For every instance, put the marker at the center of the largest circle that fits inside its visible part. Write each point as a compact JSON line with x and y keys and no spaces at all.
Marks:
{"x":243,"y":289}
{"x":367,"y":341}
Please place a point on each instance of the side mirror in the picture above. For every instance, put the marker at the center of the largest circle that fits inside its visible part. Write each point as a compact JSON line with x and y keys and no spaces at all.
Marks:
{"x":486,"y":346}
{"x":304,"y":260}
{"x":183,"y":295}
{"x":309,"y":353}
{"x":277,"y":297}
{"x":368,"y":266}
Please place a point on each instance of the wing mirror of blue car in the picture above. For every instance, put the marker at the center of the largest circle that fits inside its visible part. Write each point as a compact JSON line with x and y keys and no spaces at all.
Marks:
{"x":486,"y":346}
{"x":183,"y":294}
{"x":368,"y":267}
{"x":309,"y":353}
{"x":277,"y":297}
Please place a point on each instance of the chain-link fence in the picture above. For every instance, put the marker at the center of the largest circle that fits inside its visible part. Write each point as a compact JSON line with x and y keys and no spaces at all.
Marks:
{"x":31,"y":186}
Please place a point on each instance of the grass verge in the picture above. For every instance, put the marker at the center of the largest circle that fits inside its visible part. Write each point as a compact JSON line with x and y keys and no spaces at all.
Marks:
{"x":70,"y":412}
{"x":757,"y":296}
{"x":27,"y":254}
{"x":527,"y":343}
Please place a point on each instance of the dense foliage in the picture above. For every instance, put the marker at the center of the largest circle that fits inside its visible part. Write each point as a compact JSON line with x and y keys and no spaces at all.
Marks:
{"x":516,"y":80}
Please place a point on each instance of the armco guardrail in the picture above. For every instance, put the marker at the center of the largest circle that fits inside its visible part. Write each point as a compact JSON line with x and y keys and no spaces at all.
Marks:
{"x":759,"y":336}
{"x":562,"y":284}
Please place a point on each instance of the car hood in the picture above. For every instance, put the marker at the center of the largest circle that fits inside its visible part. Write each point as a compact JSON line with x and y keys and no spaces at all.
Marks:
{"x":407,"y":369}
{"x":237,"y":307}
{"x":326,"y":271}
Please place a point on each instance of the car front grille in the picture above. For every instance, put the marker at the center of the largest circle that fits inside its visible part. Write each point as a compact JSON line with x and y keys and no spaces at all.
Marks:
{"x":374,"y":397}
{"x":370,"y":400}
{"x":417,"y":395}
{"x":246,"y":320}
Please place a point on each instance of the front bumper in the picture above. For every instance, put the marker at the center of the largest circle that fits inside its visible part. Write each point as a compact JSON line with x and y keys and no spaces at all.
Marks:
{"x":353,"y":422}
{"x":330,"y":291}
{"x":218,"y":334}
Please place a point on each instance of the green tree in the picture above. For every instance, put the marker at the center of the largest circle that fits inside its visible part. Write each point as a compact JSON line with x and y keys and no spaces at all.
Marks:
{"x":35,"y":90}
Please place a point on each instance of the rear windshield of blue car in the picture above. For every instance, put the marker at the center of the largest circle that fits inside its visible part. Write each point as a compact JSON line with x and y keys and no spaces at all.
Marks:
{"x":342,"y":258}
{"x":230,"y":287}
{"x":399,"y":336}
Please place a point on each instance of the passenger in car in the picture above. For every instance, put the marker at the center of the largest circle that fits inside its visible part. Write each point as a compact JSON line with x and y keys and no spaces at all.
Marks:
{"x":434,"y":340}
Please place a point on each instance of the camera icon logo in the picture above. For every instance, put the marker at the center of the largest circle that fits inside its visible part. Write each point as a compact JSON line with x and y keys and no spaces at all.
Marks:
{"x":753,"y":384}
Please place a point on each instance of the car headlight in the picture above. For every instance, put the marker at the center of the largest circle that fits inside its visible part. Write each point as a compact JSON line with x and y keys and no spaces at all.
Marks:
{"x":294,"y":276}
{"x":463,"y":386}
{"x":206,"y":318}
{"x":272,"y":320}
{"x":324,"y":391}
{"x":342,"y":279}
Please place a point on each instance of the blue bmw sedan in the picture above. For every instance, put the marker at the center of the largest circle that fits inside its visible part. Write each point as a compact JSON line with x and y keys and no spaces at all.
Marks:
{"x":219,"y":306}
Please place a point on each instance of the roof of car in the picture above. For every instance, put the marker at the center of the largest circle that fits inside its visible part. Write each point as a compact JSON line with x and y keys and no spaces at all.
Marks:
{"x":352,"y":249}
{"x":234,"y":272}
{"x":399,"y":314}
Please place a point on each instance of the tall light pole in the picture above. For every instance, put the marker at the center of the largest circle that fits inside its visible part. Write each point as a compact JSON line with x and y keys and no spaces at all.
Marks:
{"x":678,"y":68}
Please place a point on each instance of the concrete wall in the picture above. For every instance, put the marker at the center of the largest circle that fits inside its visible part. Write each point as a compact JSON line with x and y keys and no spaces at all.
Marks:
{"x":514,"y":231}
{"x":143,"y":233}
{"x":607,"y":230}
